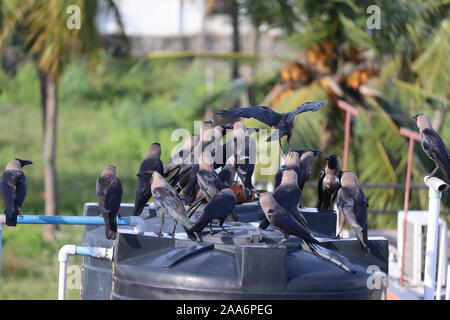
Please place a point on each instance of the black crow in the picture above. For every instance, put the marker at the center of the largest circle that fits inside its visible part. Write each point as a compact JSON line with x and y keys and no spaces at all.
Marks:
{"x":167,"y":200}
{"x":14,"y":189}
{"x":152,"y":162}
{"x":433,"y":145}
{"x":329,"y":182}
{"x":352,"y":204}
{"x":109,"y":195}
{"x":219,"y":207}
{"x":284,"y":122}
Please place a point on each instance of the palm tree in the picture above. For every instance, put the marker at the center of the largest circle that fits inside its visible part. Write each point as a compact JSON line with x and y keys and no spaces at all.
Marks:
{"x":43,"y":29}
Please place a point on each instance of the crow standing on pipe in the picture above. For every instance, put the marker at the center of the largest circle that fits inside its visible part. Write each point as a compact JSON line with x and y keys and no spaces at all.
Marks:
{"x":14,"y":189}
{"x":152,"y":162}
{"x":329,"y":182}
{"x":284,"y":122}
{"x":433,"y":145}
{"x":109,"y":195}
{"x":219,"y":207}
{"x":288,"y":225}
{"x":352,"y":204}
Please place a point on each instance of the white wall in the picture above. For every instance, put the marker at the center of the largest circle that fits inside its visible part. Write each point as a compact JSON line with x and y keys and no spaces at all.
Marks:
{"x":156,"y":18}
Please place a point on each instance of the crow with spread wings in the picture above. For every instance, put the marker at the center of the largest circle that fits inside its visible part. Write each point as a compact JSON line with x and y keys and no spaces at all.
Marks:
{"x":284,"y":122}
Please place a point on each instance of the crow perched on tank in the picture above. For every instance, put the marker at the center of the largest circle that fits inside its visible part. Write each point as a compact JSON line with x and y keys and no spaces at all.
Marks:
{"x":245,"y":151}
{"x":228,"y":172}
{"x":352,"y":204}
{"x":152,"y":162}
{"x":300,"y":161}
{"x":186,"y":179}
{"x":14,"y":189}
{"x":167,"y":200}
{"x":283,"y":219}
{"x":177,"y":160}
{"x":284,"y":122}
{"x":208,"y":180}
{"x":329,"y":182}
{"x":433,"y":145}
{"x":109,"y":195}
{"x":219,"y":207}
{"x":305,"y":164}
{"x":287,"y":195}
{"x":288,"y":225}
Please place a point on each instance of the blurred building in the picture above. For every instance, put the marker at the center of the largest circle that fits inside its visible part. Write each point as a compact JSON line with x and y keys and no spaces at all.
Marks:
{"x":175,"y":25}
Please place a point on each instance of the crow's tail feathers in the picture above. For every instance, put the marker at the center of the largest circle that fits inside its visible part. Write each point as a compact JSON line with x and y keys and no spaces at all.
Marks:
{"x":315,"y":249}
{"x":110,"y":225}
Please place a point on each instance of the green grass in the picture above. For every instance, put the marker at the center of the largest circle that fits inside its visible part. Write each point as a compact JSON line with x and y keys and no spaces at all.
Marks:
{"x":30,"y":266}
{"x":110,"y":118}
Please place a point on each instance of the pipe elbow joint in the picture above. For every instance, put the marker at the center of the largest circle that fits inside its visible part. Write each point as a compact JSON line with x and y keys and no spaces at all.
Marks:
{"x":138,"y":225}
{"x":436,"y":184}
{"x":65,"y":251}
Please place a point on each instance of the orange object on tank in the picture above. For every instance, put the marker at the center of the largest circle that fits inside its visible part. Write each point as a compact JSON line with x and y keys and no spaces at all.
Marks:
{"x":238,"y":190}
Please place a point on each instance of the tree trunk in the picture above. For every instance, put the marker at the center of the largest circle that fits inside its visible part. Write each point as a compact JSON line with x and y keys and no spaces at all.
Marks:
{"x":439,"y":119}
{"x":235,"y":74}
{"x":234,"y":13}
{"x":49,"y":101}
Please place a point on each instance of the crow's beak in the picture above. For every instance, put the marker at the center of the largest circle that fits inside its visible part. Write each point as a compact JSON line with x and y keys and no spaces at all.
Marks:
{"x":24,"y":163}
{"x":144,"y":174}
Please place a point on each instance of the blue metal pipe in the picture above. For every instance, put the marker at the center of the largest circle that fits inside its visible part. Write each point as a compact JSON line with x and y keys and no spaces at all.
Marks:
{"x":84,"y":251}
{"x":71,"y":220}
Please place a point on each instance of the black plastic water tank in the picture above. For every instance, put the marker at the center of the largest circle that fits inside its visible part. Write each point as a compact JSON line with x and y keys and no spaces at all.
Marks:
{"x":243,"y":251}
{"x":97,"y":274}
{"x":241,"y":266}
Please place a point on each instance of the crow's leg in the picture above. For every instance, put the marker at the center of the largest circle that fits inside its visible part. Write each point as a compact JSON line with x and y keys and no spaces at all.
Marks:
{"x":281,"y":242}
{"x":161,"y":216}
{"x":172,"y":234}
{"x":433,"y":173}
{"x":221,"y":226}
{"x":191,"y":211}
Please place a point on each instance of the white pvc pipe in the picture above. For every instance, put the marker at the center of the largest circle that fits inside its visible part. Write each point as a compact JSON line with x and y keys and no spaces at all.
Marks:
{"x":1,"y":240}
{"x":436,"y":186}
{"x":63,"y":257}
{"x":447,"y":291}
{"x":442,"y":263}
{"x":138,"y":224}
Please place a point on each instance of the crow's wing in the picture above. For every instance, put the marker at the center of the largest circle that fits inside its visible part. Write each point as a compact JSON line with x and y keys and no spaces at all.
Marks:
{"x":113,"y":196}
{"x":319,"y":189}
{"x":220,"y":206}
{"x":209,"y":182}
{"x":166,"y":198}
{"x":435,"y":148}
{"x":308,"y":106}
{"x":261,"y":113}
{"x":287,"y":224}
{"x":143,"y":194}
